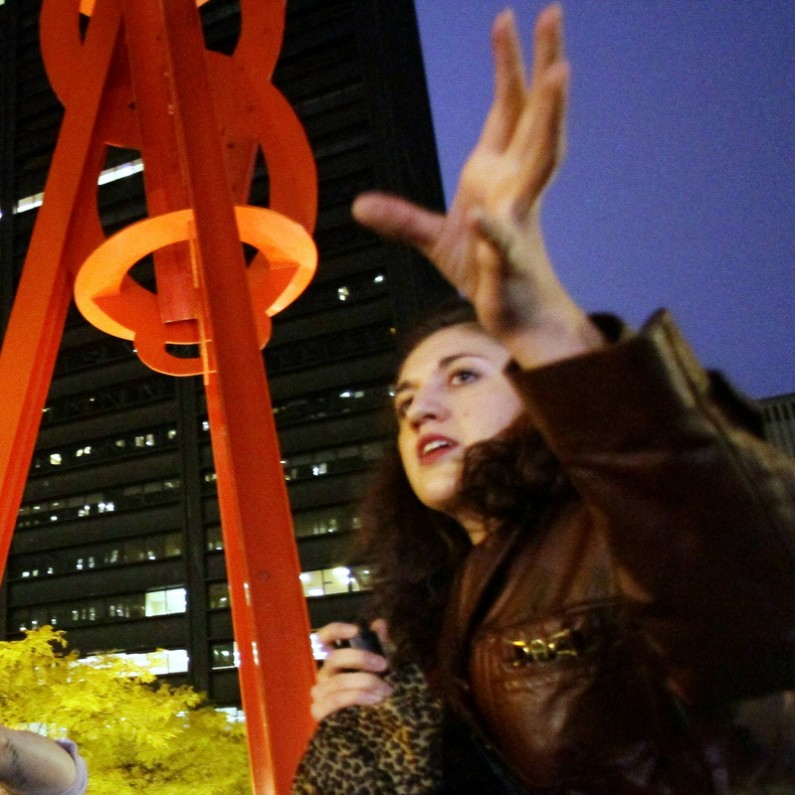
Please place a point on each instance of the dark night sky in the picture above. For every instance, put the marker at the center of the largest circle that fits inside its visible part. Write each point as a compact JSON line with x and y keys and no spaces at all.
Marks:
{"x":678,"y":187}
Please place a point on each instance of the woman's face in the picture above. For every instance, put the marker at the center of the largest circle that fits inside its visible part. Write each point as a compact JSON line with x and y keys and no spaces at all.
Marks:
{"x":451,"y":393}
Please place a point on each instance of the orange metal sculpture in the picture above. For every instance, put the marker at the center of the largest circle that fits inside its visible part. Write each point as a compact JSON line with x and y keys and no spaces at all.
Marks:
{"x":141,"y":78}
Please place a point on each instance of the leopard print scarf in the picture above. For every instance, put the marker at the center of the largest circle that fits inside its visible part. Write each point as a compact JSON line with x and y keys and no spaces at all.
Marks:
{"x":392,"y":748}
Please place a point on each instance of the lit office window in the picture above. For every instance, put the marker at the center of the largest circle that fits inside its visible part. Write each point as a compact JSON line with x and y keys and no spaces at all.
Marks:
{"x":340,"y":579}
{"x":339,"y":519}
{"x":224,"y":655}
{"x":173,"y":545}
{"x":337,"y":580}
{"x":320,"y":582}
{"x":166,"y":601}
{"x":233,"y":714}
{"x":87,"y":505}
{"x":160,"y":663}
{"x":126,"y":606}
{"x":108,"y":175}
{"x":218,"y":595}
{"x":214,"y":540}
{"x":100,"y":556}
{"x":312,"y":583}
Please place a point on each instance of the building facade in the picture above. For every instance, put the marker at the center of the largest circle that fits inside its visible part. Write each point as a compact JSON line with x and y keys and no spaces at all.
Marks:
{"x":778,"y":414}
{"x":118,"y":540}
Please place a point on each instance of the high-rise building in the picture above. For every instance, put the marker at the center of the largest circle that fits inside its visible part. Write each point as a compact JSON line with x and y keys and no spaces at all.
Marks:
{"x":118,"y":540}
{"x":778,"y":414}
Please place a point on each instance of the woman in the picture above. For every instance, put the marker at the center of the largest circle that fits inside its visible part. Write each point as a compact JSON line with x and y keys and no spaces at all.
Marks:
{"x":585,"y":551}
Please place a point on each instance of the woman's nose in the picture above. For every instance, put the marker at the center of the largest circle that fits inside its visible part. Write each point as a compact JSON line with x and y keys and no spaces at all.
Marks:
{"x":426,"y":404}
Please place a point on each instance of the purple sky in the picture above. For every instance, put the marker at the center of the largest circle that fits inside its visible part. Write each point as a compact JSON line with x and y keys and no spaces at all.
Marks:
{"x":678,"y":187}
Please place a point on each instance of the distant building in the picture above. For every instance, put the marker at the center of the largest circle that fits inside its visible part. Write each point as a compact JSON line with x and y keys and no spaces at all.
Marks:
{"x":779,"y":417}
{"x":118,"y":540}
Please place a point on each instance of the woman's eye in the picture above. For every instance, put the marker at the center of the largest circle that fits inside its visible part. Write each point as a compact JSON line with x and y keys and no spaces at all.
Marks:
{"x":463,"y":377}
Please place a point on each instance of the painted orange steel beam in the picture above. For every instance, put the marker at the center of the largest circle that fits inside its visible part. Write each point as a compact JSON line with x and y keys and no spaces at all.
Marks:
{"x":142,"y":79}
{"x":37,"y":318}
{"x":271,"y":629}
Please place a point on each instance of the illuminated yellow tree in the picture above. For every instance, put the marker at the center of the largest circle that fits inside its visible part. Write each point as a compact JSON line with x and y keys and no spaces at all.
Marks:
{"x":135,"y":733}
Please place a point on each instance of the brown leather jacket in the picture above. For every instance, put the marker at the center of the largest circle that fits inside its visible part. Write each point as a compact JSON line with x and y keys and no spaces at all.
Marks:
{"x":624,"y":646}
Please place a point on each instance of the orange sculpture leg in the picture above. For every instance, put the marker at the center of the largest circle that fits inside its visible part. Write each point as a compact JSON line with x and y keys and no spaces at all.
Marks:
{"x":142,"y":79}
{"x":272,"y":631}
{"x":37,"y":318}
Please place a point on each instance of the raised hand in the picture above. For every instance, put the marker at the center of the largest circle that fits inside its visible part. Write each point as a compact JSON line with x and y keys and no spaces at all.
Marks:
{"x":490,"y":245}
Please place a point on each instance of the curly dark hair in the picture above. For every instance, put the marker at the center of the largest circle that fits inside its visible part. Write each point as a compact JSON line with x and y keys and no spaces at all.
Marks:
{"x":510,"y":479}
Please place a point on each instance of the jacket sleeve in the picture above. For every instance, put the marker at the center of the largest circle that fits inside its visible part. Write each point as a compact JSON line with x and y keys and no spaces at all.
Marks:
{"x":699,"y":512}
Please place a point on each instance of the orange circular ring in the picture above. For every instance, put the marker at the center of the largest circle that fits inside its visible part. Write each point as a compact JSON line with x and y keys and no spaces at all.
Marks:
{"x":112,"y":301}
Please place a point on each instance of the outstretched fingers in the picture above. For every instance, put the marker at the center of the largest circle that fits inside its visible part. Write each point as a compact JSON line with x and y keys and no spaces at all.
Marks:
{"x":526,"y":123}
{"x":547,"y":41}
{"x":398,"y":219}
{"x":509,"y":84}
{"x":516,"y":156}
{"x":539,"y":141}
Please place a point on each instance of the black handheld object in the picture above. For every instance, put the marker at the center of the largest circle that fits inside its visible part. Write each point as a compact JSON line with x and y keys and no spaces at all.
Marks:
{"x":366,"y":639}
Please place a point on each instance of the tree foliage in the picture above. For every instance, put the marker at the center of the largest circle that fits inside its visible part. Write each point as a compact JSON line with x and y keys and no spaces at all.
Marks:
{"x":136,"y":734}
